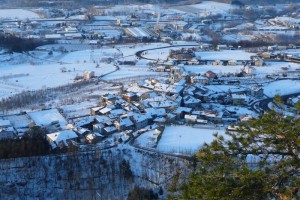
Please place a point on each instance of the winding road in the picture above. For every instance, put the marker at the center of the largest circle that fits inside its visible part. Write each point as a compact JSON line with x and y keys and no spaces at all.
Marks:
{"x":139,"y":53}
{"x":263,"y":104}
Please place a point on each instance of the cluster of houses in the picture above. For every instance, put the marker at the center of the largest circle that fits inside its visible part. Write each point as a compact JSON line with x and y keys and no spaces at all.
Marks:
{"x":186,"y":56}
{"x":177,"y":99}
{"x":152,"y":102}
{"x":107,"y":24}
{"x":149,"y":103}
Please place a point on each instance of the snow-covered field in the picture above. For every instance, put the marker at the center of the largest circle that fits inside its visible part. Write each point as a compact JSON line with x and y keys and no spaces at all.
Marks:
{"x":42,"y":76}
{"x":147,"y":139}
{"x":131,"y":72}
{"x":90,"y":55}
{"x":207,"y":7}
{"x":129,"y":8}
{"x":162,"y":54}
{"x":220,"y":69}
{"x":36,"y":73}
{"x":185,"y":139}
{"x":276,"y":68}
{"x":282,"y":87}
{"x":17,"y":14}
{"x":130,"y":50}
{"x":224,"y":55}
{"x":19,"y":72}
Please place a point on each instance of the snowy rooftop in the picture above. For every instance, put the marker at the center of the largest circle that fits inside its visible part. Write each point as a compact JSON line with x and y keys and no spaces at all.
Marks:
{"x":84,"y":121}
{"x":4,"y":123}
{"x":62,"y":136}
{"x":158,"y":112}
{"x":182,"y":109}
{"x":238,"y":96}
{"x":126,"y":122}
{"x":46,"y":117}
{"x":19,"y":121}
{"x":224,"y":55}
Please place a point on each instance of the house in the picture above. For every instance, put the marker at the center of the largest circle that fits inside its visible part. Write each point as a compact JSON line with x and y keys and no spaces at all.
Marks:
{"x":81,"y":132}
{"x":171,"y":117}
{"x":93,"y":138}
{"x":104,"y":111}
{"x":102,"y":119}
{"x":95,"y":110}
{"x":194,"y":61}
{"x":248,"y":70}
{"x":70,"y":36}
{"x":217,"y":62}
{"x":6,"y":130}
{"x":191,"y":102}
{"x":138,"y":32}
{"x":5,"y":123}
{"x":87,"y":75}
{"x":98,"y":128}
{"x":210,"y":74}
{"x":222,"y":47}
{"x":140,"y":120}
{"x":194,"y":28}
{"x":108,"y":98}
{"x":212,"y":116}
{"x":20,"y":121}
{"x":116,"y":113}
{"x":51,"y":118}
{"x":266,"y":55}
{"x":232,"y":62}
{"x":238,"y":99}
{"x":155,"y":112}
{"x":205,"y":46}
{"x":199,"y":79}
{"x":293,"y":100}
{"x":61,"y":138}
{"x":53,"y":36}
{"x":257,"y":61}
{"x":85,"y":122}
{"x":257,"y":91}
{"x":190,"y":118}
{"x":272,"y":48}
{"x":160,"y":120}
{"x":180,"y":112}
{"x":109,"y":130}
{"x":237,"y":90}
{"x":160,"y":69}
{"x":124,"y":123}
{"x":189,"y":90}
{"x":179,"y":25}
{"x":202,"y":96}
{"x":202,"y":121}
{"x":130,"y":96}
{"x":159,"y":26}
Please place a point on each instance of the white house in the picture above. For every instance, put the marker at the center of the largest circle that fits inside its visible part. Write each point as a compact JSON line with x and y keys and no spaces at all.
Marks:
{"x":87,"y":75}
{"x":61,"y":138}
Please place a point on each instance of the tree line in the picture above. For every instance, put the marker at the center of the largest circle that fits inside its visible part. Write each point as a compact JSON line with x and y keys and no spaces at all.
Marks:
{"x":33,"y":143}
{"x":17,"y":44}
{"x":41,"y":96}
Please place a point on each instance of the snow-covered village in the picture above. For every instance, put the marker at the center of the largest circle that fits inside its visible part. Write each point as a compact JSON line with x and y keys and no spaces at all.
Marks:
{"x":125,"y":94}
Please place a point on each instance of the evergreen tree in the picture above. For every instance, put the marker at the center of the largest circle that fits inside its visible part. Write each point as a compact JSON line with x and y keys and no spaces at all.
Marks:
{"x":260,"y":161}
{"x":297,"y":106}
{"x":278,"y":99}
